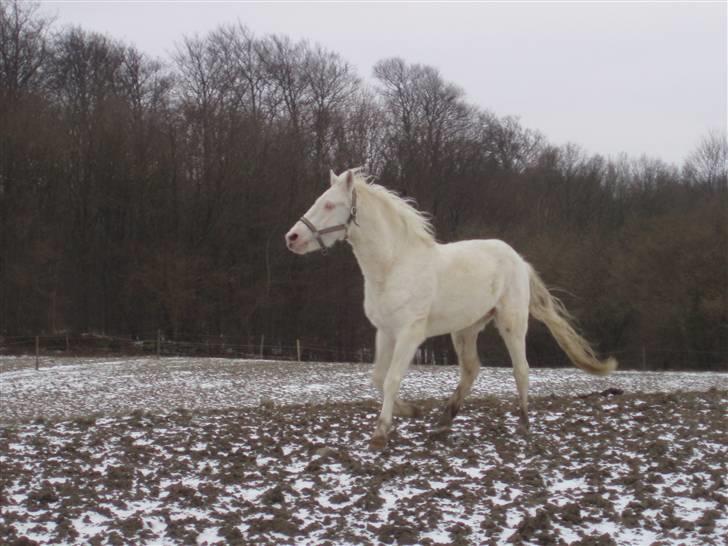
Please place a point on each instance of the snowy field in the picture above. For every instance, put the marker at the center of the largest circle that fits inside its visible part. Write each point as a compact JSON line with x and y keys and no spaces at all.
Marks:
{"x":191,"y":451}
{"x":68,"y":387}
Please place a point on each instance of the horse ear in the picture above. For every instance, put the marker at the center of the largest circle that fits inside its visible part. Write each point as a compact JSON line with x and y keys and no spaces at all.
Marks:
{"x":349,"y":179}
{"x":334,"y":178}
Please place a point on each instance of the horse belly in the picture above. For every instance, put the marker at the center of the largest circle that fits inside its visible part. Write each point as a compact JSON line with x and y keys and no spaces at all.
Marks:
{"x":456,"y":310}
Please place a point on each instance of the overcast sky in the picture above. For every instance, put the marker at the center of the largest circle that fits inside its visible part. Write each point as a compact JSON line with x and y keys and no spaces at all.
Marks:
{"x":635,"y":77}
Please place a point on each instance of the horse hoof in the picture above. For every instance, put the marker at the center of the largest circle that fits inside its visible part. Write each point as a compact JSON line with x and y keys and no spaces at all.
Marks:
{"x":441,"y":431}
{"x":446,"y":419}
{"x":404,"y":409}
{"x":524,"y":422}
{"x":378,"y":443}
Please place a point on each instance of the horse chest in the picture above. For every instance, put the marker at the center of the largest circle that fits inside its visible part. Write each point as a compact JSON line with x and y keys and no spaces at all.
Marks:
{"x":373,"y":308}
{"x":388,"y":307}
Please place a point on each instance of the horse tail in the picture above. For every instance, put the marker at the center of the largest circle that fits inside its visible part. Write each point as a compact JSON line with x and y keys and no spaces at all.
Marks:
{"x":548,"y":309}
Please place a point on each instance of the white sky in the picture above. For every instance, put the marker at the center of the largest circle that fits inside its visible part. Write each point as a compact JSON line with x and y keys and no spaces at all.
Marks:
{"x":634,"y":77}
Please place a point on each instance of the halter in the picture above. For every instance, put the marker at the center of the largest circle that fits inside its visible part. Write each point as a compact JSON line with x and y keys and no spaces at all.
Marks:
{"x":317,"y":233}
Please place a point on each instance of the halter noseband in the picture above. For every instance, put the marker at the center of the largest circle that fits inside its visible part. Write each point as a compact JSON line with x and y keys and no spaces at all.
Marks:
{"x":317,"y":233}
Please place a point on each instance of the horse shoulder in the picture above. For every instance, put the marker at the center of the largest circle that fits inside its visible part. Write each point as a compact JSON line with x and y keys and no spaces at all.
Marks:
{"x":404,"y":295}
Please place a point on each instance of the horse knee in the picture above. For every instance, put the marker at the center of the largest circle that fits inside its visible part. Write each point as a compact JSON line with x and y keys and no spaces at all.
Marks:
{"x":471,"y":367}
{"x":521,"y":368}
{"x":391,"y":383}
{"x":469,"y":370}
{"x":521,"y":376}
{"x":520,"y":372}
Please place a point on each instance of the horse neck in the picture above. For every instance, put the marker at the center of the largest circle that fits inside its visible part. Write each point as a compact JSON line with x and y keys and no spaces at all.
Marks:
{"x":376,"y":240}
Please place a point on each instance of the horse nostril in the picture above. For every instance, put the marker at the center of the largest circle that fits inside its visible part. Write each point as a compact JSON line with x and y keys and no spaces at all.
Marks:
{"x":292,"y":237}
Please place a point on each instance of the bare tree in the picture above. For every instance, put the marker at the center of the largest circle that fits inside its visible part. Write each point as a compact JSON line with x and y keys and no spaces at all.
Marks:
{"x":24,"y":36}
{"x":708,"y":163}
{"x":24,"y":54}
{"x":284,"y":62}
{"x":428,"y":120}
{"x":136,"y":196}
{"x":331,"y":84}
{"x":512,"y":146}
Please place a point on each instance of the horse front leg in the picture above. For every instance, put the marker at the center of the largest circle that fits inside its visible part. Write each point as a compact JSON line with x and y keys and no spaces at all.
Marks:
{"x":384,"y":350}
{"x":404,"y":349}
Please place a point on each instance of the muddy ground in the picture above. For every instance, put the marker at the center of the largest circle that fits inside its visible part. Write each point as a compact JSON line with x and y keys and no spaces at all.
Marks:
{"x":628,"y":468}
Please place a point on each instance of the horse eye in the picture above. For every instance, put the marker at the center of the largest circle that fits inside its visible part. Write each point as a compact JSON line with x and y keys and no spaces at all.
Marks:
{"x":329,"y":205}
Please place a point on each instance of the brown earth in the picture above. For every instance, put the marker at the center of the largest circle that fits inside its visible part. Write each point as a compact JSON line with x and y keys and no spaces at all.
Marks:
{"x":607,"y":468}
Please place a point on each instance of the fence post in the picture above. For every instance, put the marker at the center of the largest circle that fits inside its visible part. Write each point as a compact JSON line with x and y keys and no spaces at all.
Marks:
{"x":37,"y":351}
{"x":262,"y":344}
{"x":644,"y":358}
{"x":159,"y":343}
{"x":298,"y":349}
{"x":68,"y":345}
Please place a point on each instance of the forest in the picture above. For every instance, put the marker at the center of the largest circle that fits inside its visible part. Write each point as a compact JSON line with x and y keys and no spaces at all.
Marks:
{"x":140,"y":195}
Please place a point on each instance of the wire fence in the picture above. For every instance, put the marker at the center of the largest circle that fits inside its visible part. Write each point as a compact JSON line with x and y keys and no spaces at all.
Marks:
{"x":198,"y":346}
{"x":312,"y":350}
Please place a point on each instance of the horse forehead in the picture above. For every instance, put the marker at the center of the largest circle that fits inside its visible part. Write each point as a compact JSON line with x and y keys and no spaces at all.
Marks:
{"x":317,"y":208}
{"x":335,"y":190}
{"x":318,"y":203}
{"x":324,"y":196}
{"x":332,"y":194}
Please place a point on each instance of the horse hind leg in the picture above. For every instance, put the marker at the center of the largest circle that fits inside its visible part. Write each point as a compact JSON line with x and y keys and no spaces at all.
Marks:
{"x":512,"y":328}
{"x":465,"y":343}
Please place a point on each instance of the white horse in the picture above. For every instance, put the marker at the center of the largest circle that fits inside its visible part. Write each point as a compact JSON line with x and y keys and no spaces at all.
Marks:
{"x":415,"y":288}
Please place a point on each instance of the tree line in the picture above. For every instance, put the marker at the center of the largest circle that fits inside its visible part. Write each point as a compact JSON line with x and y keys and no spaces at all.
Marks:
{"x":139,"y":194}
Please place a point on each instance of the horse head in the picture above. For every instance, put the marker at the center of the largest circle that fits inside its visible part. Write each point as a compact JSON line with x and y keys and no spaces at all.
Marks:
{"x":328,"y":219}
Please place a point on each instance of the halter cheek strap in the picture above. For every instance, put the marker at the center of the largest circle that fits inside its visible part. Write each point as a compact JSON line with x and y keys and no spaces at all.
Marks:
{"x":317,"y":233}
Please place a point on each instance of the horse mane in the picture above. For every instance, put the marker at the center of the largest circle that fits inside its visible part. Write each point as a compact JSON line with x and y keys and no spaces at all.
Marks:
{"x":416,"y":222}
